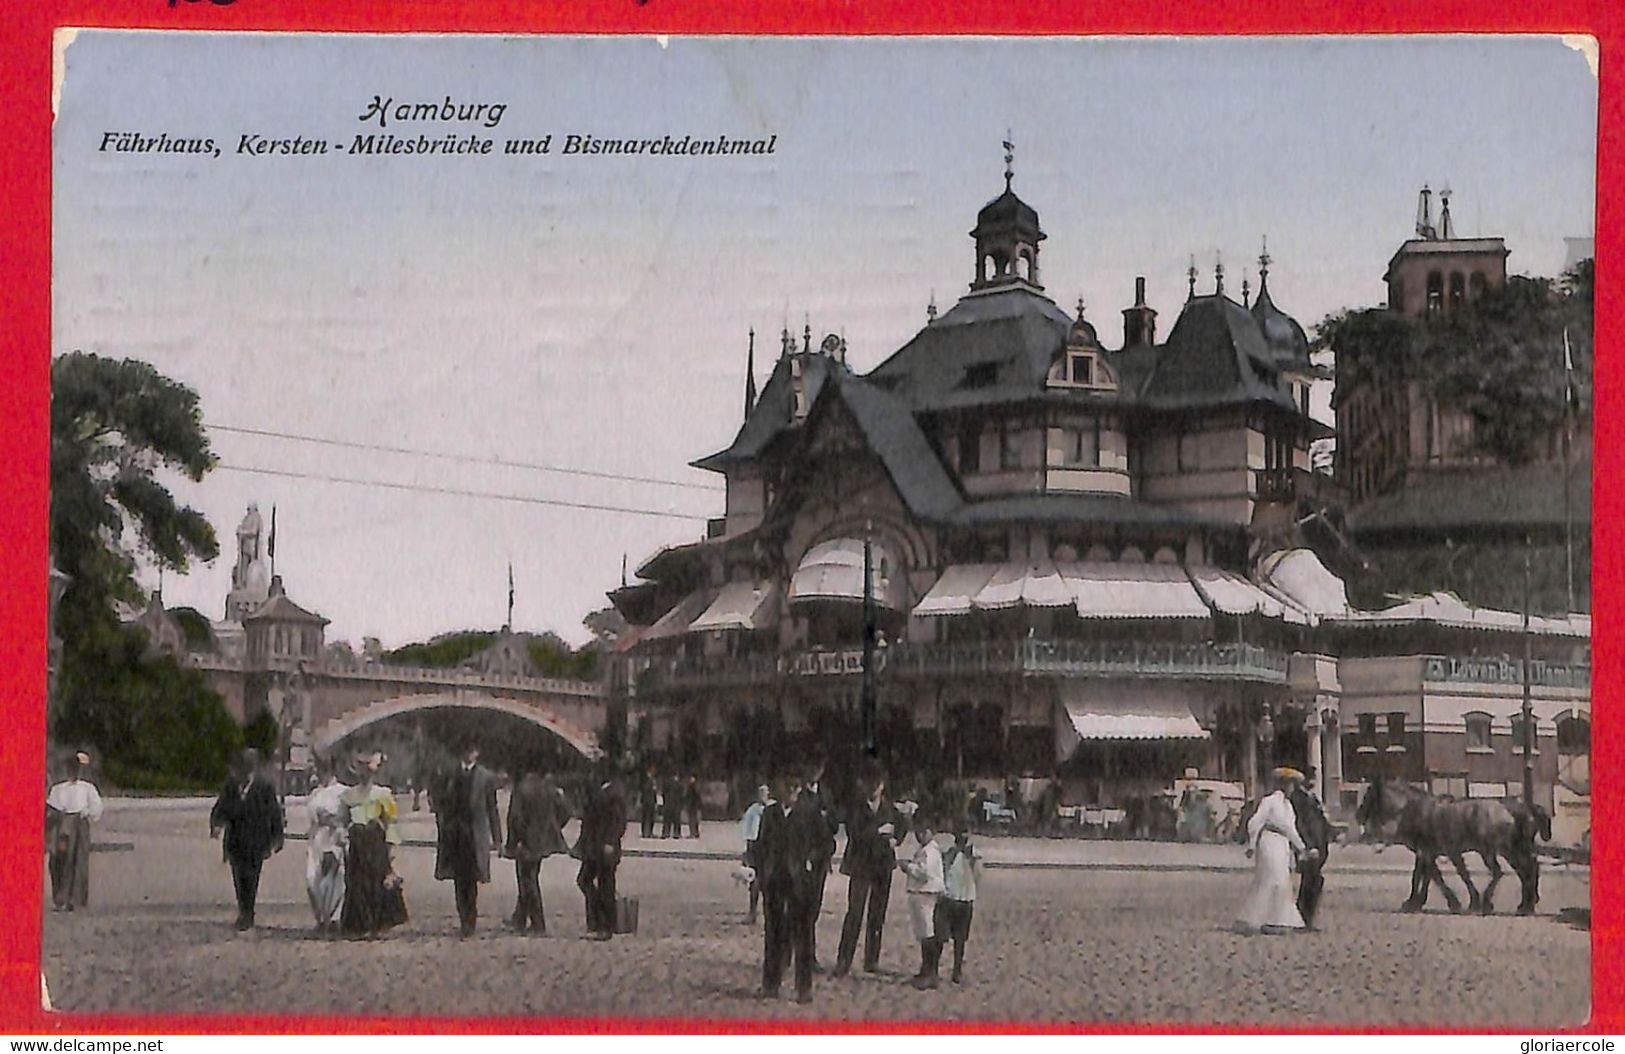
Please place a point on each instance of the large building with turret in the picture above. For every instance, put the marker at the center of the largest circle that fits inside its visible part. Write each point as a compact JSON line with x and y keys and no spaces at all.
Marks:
{"x":1083,"y":556}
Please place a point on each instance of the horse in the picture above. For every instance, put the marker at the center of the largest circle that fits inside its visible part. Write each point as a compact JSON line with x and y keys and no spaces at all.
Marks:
{"x":1433,"y":826}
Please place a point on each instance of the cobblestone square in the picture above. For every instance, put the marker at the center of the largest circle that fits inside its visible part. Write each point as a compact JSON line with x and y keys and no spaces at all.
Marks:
{"x":1050,"y":943}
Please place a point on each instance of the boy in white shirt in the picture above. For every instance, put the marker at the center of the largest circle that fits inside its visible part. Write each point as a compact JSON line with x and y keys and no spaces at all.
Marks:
{"x":925,"y":885}
{"x":961,"y":871}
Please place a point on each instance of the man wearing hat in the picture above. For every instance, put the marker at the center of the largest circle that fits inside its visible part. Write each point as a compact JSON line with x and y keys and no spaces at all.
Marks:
{"x":469,"y":826}
{"x":598,"y":845}
{"x":251,"y":817}
{"x":70,"y":808}
{"x":792,"y":852}
{"x":1316,"y":833}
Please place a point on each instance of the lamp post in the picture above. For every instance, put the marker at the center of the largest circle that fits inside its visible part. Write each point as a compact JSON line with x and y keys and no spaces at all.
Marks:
{"x":1528,"y":704}
{"x":1266,"y":742}
{"x":866,"y":704}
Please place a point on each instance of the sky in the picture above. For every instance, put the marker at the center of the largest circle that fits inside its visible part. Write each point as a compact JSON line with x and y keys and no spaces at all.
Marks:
{"x":591,"y":313}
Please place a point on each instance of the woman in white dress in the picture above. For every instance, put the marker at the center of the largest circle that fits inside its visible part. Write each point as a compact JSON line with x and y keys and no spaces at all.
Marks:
{"x":1272,"y":841}
{"x":324,"y":862}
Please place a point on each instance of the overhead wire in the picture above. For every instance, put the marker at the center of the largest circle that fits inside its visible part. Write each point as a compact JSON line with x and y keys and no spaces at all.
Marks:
{"x":424,"y":488}
{"x":502,"y":462}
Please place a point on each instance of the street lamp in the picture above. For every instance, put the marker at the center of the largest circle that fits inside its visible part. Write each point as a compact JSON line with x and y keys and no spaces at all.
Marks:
{"x":1266,"y":738}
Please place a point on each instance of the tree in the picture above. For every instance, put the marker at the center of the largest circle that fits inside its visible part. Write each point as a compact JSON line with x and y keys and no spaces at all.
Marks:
{"x":1499,"y":358}
{"x":114,"y":425}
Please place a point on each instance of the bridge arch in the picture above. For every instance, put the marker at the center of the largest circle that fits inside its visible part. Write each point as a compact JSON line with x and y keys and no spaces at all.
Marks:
{"x":334,"y":731}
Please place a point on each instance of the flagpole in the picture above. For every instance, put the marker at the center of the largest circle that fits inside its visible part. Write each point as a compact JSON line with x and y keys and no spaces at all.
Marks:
{"x":1568,"y":445}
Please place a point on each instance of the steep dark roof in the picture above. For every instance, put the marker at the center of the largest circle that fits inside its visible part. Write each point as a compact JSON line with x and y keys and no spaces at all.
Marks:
{"x":895,"y":437}
{"x":1073,"y":508}
{"x":1288,"y":346}
{"x":771,"y":415}
{"x":989,"y":347}
{"x":1007,"y":210}
{"x":1215,"y":356}
{"x":1439,"y":501}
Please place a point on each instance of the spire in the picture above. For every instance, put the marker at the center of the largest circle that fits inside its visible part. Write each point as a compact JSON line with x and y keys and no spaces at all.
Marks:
{"x":931,"y":308}
{"x":1424,"y":214}
{"x":1190,"y":275}
{"x":1264,"y":262}
{"x":786,"y":345}
{"x":1218,"y":274}
{"x":508,"y":625}
{"x":623,"y":570}
{"x":1444,"y":212}
{"x":806,"y":335}
{"x":1246,"y":296}
{"x":750,"y":373}
{"x":1009,"y":158}
{"x":1080,"y":307}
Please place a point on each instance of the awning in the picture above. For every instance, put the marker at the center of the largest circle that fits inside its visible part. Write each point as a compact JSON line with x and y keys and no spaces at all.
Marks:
{"x":1300,"y":575}
{"x":1130,"y":590}
{"x":740,"y":605}
{"x":1034,"y":585}
{"x":833,"y":570}
{"x":1089,"y":719}
{"x":676,"y":621}
{"x":956,"y":590}
{"x":1231,"y":594}
{"x":1447,"y":609}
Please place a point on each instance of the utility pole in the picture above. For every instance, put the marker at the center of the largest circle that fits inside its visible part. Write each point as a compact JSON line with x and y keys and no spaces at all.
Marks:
{"x":866,"y":703}
{"x":1528,"y":705}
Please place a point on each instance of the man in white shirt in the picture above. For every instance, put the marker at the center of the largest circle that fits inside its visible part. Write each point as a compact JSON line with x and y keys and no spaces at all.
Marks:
{"x":70,"y":808}
{"x":750,"y":829}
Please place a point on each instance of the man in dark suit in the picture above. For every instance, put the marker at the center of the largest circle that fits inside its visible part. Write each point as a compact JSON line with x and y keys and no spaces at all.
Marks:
{"x":603,"y":825}
{"x":671,"y":807}
{"x":536,"y":815}
{"x":1316,"y":833}
{"x":249,"y":813}
{"x":817,"y":794}
{"x":469,"y":826}
{"x":873,"y":830}
{"x":648,"y":802}
{"x":792,"y":850}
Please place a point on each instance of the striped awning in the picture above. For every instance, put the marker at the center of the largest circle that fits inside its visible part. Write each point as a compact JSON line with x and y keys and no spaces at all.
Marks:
{"x":739,"y":605}
{"x":1031,"y":585}
{"x":956,"y":590}
{"x":833,"y":570}
{"x":1230,"y":594}
{"x":1144,"y":718}
{"x":1133,"y":590}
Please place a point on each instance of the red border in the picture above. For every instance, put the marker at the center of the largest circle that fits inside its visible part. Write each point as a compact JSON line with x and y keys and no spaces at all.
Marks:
{"x":25,"y":152}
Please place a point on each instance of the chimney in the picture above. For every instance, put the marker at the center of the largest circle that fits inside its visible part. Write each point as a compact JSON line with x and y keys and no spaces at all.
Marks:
{"x":1139,"y":321}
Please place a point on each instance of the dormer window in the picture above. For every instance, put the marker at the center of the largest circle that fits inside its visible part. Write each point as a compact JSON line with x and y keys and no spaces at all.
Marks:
{"x":980,"y":375}
{"x":1080,"y":368}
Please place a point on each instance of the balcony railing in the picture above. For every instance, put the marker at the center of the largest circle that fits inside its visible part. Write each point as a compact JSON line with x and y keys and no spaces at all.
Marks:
{"x":1505,"y":671}
{"x":1023,"y":657}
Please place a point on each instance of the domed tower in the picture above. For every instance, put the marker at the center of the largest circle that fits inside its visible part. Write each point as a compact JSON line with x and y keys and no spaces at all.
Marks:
{"x":1289,"y":347}
{"x":1007,"y":236}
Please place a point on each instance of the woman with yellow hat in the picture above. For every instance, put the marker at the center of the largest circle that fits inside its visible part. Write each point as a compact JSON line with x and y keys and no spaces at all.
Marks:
{"x":1273,"y":842}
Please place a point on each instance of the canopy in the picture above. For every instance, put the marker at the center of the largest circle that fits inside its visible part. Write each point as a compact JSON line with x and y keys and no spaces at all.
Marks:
{"x":956,"y":590}
{"x":676,"y":621}
{"x":833,"y":570}
{"x":1447,"y":609}
{"x":1147,"y":717}
{"x":1132,"y":590}
{"x":739,"y":605}
{"x":1231,"y":594}
{"x":1299,"y":574}
{"x":1035,"y":585}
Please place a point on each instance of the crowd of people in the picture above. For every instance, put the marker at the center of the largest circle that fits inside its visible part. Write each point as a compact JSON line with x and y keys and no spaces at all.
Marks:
{"x":789,"y":831}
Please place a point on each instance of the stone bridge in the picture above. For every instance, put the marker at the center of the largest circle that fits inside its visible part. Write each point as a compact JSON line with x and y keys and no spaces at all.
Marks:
{"x":321,"y":703}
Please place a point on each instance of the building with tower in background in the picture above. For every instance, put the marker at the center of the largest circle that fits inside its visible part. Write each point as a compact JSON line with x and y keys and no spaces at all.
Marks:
{"x":1086,"y":559}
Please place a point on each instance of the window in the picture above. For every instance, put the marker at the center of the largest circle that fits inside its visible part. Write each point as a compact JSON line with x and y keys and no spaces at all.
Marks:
{"x":1458,"y":289}
{"x":1368,"y":726}
{"x":980,"y":375}
{"x":1478,"y":732}
{"x":1435,"y":301}
{"x":1081,"y":446}
{"x":1009,"y":447}
{"x":1574,"y":736}
{"x":970,"y":447}
{"x":1518,"y":735}
{"x":1396,"y":725}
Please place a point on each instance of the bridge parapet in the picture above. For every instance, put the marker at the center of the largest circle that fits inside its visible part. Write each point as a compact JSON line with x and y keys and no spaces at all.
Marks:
{"x":376,"y":671}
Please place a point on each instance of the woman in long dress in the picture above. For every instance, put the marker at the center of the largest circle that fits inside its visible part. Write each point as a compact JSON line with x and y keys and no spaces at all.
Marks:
{"x":329,"y":836}
{"x":1272,"y":842}
{"x":373,"y":898}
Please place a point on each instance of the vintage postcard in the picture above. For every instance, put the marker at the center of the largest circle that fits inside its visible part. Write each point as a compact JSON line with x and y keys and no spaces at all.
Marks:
{"x":1063,"y":531}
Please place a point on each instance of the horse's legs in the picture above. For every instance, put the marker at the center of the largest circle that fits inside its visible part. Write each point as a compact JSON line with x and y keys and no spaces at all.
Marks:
{"x":1419,"y":887}
{"x":1450,"y":897}
{"x":1492,"y":861}
{"x":1527,"y":866}
{"x":1474,"y":902}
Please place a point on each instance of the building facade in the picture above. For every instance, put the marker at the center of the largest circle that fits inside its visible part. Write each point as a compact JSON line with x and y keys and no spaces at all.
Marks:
{"x":1084,"y":561}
